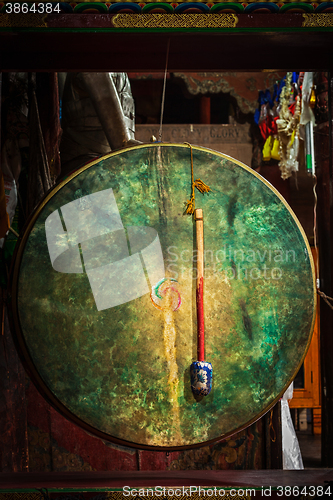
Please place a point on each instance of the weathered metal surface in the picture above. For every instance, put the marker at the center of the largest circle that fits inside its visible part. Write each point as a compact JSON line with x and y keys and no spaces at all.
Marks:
{"x":123,"y":370}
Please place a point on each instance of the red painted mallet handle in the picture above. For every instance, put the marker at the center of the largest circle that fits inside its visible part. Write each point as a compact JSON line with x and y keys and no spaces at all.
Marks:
{"x":200,"y":282}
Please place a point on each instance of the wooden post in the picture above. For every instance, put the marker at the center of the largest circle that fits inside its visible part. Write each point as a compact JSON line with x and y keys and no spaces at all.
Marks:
{"x":324,"y":156}
{"x":205,"y":110}
{"x":273,"y":438}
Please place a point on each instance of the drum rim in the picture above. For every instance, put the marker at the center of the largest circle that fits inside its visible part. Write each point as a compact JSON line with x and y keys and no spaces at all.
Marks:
{"x":23,"y":349}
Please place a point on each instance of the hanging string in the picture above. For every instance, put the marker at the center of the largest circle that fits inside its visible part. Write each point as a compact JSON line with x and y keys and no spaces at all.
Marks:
{"x":190,"y":204}
{"x":197,"y":183}
{"x":323,"y":295}
{"x":14,"y":232}
{"x":326,"y":298}
{"x":163,"y":93}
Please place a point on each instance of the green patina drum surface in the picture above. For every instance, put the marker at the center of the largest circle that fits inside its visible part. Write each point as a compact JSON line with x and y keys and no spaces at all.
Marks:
{"x":115,"y":356}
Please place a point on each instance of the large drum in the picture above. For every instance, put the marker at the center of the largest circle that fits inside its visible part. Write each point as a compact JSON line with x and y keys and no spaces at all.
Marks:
{"x":109,"y":346}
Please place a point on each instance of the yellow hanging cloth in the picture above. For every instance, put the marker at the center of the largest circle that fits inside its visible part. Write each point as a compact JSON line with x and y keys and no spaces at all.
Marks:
{"x":267,"y":149}
{"x":276,"y":149}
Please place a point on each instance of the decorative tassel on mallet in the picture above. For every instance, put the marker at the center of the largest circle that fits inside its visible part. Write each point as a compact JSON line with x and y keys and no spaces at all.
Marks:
{"x":197,"y":183}
{"x":201,"y":370}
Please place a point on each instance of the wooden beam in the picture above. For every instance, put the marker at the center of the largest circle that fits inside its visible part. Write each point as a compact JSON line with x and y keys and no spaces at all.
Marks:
{"x":145,"y":51}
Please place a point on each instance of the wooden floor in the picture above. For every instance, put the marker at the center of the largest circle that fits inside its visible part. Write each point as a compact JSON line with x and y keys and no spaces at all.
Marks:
{"x":117,"y":479}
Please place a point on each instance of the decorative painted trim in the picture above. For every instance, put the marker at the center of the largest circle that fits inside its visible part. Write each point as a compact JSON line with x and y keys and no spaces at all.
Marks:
{"x":84,"y":7}
{"x":16,"y":495}
{"x":262,"y":7}
{"x":318,"y":20}
{"x":23,"y":21}
{"x":184,"y":7}
{"x":175,"y":21}
{"x":167,"y":20}
{"x":214,"y":86}
{"x":300,"y":7}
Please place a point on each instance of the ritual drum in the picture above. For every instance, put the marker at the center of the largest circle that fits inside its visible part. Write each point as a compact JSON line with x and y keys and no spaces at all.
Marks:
{"x":104,"y":299}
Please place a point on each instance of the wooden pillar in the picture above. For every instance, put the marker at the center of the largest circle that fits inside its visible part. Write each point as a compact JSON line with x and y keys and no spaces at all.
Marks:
{"x":13,"y":415}
{"x":273,"y":438}
{"x":205,"y":110}
{"x":324,"y":155}
{"x":0,"y":104}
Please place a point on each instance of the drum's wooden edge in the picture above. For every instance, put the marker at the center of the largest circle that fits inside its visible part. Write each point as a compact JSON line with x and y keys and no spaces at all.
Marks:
{"x":24,"y":351}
